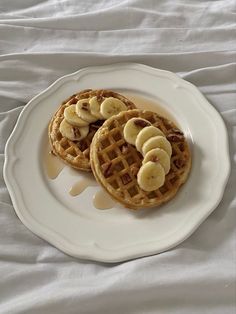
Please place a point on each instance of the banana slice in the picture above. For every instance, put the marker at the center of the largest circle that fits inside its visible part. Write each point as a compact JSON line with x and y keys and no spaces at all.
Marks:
{"x":112,"y":106}
{"x":72,"y":118}
{"x":83,"y":111}
{"x":132,"y":129}
{"x":71,"y":132}
{"x":151,"y":176}
{"x":95,"y":108}
{"x":157,"y":142}
{"x":158,"y":155}
{"x":145,"y":134}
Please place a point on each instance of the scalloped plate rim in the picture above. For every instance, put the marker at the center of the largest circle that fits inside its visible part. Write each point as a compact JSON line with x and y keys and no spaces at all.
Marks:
{"x":95,"y":252}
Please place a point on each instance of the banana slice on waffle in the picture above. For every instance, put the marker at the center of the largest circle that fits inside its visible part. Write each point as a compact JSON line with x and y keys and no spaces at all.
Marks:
{"x":133,"y":127}
{"x":148,"y":138}
{"x":78,"y":118}
{"x":145,"y":134}
{"x":151,"y":176}
{"x":140,"y":176}
{"x":158,"y":155}
{"x":71,"y":132}
{"x":111,"y":106}
{"x":72,"y":118}
{"x":95,"y":108}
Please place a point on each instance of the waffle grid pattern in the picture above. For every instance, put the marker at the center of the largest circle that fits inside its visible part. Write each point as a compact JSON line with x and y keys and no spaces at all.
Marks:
{"x":76,"y":153}
{"x":120,"y":181}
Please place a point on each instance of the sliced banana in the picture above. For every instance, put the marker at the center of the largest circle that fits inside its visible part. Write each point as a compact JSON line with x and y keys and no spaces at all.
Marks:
{"x":157,"y":142}
{"x":145,"y":134}
{"x":158,"y":155}
{"x":112,"y":106}
{"x":83,"y":132}
{"x":95,"y":108}
{"x":83,"y":111}
{"x":132,"y":129}
{"x":151,"y":176}
{"x":72,"y":118}
{"x":71,"y":132}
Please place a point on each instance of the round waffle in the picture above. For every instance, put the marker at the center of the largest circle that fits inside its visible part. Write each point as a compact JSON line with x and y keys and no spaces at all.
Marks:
{"x":115,"y":163}
{"x":76,"y":153}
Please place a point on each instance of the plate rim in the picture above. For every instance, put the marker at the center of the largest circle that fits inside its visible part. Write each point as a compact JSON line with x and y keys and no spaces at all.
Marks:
{"x":95,"y":252}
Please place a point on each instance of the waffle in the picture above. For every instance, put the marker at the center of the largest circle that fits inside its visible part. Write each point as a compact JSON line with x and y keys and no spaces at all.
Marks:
{"x":115,"y":163}
{"x":76,"y":153}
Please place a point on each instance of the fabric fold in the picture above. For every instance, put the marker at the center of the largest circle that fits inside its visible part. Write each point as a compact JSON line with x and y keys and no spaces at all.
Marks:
{"x":41,"y":41}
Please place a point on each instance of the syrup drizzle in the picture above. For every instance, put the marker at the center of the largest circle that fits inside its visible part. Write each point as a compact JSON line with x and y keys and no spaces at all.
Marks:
{"x":81,"y":185}
{"x":102,"y":200}
{"x":148,"y":104}
{"x":53,"y":165}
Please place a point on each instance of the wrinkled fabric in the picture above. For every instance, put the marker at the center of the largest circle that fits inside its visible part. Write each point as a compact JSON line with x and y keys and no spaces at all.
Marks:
{"x":41,"y":41}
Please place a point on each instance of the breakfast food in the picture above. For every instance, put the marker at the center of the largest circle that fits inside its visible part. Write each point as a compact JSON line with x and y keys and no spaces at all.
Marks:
{"x":73,"y":126}
{"x":140,"y":158}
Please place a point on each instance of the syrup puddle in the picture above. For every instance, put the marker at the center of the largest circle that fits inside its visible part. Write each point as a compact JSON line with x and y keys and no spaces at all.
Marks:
{"x":53,"y":165}
{"x":102,"y":200}
{"x":81,"y":185}
{"x":148,"y":104}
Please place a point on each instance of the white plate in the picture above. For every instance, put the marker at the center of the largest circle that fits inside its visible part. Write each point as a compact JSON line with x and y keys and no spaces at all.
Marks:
{"x":72,"y":224}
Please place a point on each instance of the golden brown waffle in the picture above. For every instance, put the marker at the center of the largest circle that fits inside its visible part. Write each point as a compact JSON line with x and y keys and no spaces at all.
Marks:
{"x":115,"y":163}
{"x":76,"y":153}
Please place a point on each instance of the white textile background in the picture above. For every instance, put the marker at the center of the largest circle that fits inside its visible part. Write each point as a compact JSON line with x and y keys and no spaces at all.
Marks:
{"x":43,"y":40}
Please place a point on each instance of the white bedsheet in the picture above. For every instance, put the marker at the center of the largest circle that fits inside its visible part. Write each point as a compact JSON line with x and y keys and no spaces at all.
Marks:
{"x":43,"y":40}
